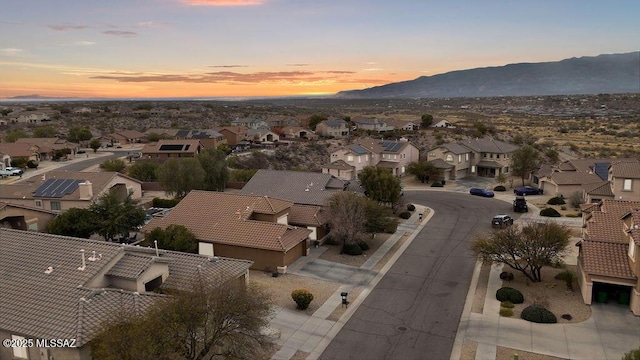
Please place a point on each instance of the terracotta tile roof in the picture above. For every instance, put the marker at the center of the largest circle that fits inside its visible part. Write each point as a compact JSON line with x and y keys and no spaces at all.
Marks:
{"x":607,"y":259}
{"x":131,"y":134}
{"x":300,"y":187}
{"x":605,"y":227}
{"x":372,"y":145}
{"x":159,"y":131}
{"x":456,"y":148}
{"x":307,"y":215}
{"x":16,"y":149}
{"x":26,"y":188}
{"x":441,"y":164}
{"x":339,"y":165}
{"x":49,"y":143}
{"x":61,"y":304}
{"x":544,"y":170}
{"x":488,"y":145}
{"x":130,"y":266}
{"x":602,"y":188}
{"x":189,"y":146}
{"x":625,"y":169}
{"x":226,"y":219}
{"x":574,"y":178}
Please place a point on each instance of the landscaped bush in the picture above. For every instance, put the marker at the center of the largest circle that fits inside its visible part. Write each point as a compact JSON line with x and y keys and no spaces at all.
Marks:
{"x":507,"y":304}
{"x":556,"y":201}
{"x":568,"y":277}
{"x":509,"y":294}
{"x":405,"y":215}
{"x":411,"y":207}
{"x":32,"y":164}
{"x":352,"y":249}
{"x":506,"y":276}
{"x":550,"y":212}
{"x":632,"y":355}
{"x":499,"y":188}
{"x":164,"y":203}
{"x":538,"y":314}
{"x":363,"y":245}
{"x":436,"y":184}
{"x":506,"y":312}
{"x":563,"y":207}
{"x":302,"y":298}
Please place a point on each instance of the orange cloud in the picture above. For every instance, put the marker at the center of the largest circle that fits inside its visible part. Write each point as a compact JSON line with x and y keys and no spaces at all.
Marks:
{"x":223,"y":2}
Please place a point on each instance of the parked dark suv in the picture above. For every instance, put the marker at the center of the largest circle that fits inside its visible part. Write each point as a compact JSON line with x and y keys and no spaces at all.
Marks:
{"x":501,"y":221}
{"x":520,"y":204}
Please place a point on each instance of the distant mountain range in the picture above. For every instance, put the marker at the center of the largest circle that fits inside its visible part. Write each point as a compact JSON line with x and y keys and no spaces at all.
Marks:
{"x":609,"y":73}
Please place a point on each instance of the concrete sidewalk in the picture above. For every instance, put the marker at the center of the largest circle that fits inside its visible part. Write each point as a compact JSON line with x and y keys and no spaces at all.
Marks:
{"x":611,"y":331}
{"x":312,"y":334}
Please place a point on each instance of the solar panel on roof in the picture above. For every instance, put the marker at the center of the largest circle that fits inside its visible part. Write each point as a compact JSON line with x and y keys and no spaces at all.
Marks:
{"x":171,"y":147}
{"x":358,"y":149}
{"x":182,"y":133}
{"x":56,"y":188}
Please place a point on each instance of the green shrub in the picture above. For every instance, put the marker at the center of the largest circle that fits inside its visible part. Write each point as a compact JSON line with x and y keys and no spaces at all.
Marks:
{"x":538,"y":314}
{"x":507,"y":304}
{"x":352,"y":249}
{"x":302,"y":297}
{"x":164,"y":203}
{"x":391,"y":226}
{"x":32,"y":164}
{"x":556,"y":201}
{"x":563,"y":207}
{"x":436,"y":184}
{"x":499,"y":188}
{"x":632,"y":355}
{"x":550,"y":212}
{"x":506,"y":312}
{"x":363,"y":245}
{"x":568,"y":277}
{"x":509,"y":294}
{"x":405,"y":215}
{"x":411,"y":207}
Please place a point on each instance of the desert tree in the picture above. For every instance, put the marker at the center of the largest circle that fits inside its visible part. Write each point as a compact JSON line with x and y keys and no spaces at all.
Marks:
{"x":381,"y":185}
{"x":174,"y":237}
{"x":314,"y":120}
{"x":523,"y":161}
{"x":426,"y":120}
{"x":202,"y":322}
{"x":116,"y":215}
{"x":74,"y":222}
{"x":347,"y":217}
{"x":143,"y":170}
{"x":116,"y":165}
{"x":216,"y":173}
{"x":78,"y":134}
{"x":95,"y":145}
{"x":179,"y":176}
{"x":45,"y":132}
{"x":526,"y":249}
{"x":423,"y":170}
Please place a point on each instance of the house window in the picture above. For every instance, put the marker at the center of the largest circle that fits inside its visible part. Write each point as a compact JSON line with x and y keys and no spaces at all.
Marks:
{"x":459,"y":159}
{"x":55,"y":205}
{"x":484,"y":155}
{"x":632,"y":248}
{"x":449,"y":157}
{"x":506,"y":169}
{"x":491,"y":156}
{"x":20,"y":352}
{"x":466,"y":157}
{"x":38,"y":203}
{"x":473,"y":169}
{"x":497,"y":156}
{"x":366,"y":158}
{"x":359,"y":159}
{"x":395,"y":157}
{"x":432,"y":154}
{"x":626,"y":185}
{"x":350,"y":158}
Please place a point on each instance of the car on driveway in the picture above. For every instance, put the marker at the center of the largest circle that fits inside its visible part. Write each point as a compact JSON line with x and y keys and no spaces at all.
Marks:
{"x":5,"y":173}
{"x":527,"y":190}
{"x":481,"y":192}
{"x":14,"y":171}
{"x":520,"y":204}
{"x":501,"y":221}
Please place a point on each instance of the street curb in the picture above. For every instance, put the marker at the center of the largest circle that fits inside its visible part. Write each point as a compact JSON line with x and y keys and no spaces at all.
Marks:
{"x":466,"y":311}
{"x":335,"y":329}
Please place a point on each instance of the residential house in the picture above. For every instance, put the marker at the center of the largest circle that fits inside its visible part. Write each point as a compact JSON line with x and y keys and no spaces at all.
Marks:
{"x":250,"y":123}
{"x":239,"y":226}
{"x":333,"y":128}
{"x":443,"y":124}
{"x":377,"y":125}
{"x":308,"y":191}
{"x":20,"y":217}
{"x":66,"y":288}
{"x":123,"y":137}
{"x":210,"y":139}
{"x":82,"y":110}
{"x":32,"y":116}
{"x":297,"y":132}
{"x":473,"y":157}
{"x":46,"y":148}
{"x":166,"y":149}
{"x":17,"y":150}
{"x":263,"y":135}
{"x":595,"y":179}
{"x":394,"y":155}
{"x":403,"y":125}
{"x":609,"y":255}
{"x":167,"y":133}
{"x":61,"y":190}
{"x":233,"y":134}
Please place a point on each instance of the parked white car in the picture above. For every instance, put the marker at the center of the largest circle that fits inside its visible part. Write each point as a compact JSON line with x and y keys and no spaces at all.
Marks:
{"x":5,"y":173}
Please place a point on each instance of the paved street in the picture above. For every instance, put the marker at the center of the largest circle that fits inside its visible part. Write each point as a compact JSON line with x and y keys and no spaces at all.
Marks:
{"x":413,"y":312}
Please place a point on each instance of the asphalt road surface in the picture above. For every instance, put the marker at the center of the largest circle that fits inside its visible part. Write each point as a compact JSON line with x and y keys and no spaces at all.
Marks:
{"x":413,"y":312}
{"x":85,"y":164}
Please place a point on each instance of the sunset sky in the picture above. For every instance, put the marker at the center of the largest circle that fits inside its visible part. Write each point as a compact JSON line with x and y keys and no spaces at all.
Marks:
{"x":189,"y":48}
